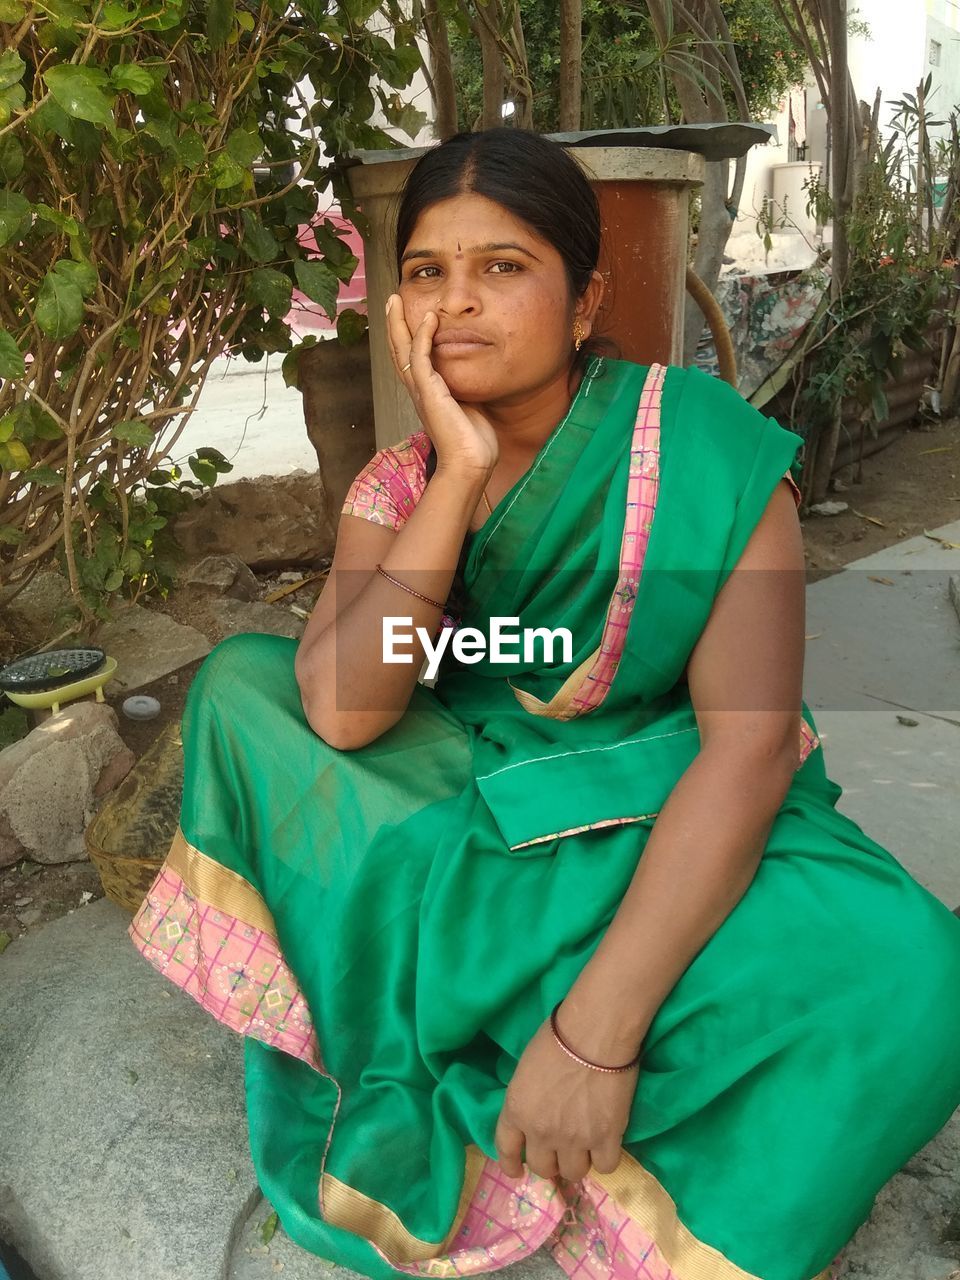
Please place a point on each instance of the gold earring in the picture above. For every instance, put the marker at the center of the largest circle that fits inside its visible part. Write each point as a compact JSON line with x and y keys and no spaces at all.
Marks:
{"x":578,"y":334}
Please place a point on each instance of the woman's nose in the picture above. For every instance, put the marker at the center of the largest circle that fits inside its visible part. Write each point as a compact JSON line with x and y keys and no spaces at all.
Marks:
{"x":458,"y":294}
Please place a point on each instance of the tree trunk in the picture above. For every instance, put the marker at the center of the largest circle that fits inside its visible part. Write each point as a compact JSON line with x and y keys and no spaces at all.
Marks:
{"x":443,"y":87}
{"x":844,"y":171}
{"x":521,"y":88}
{"x":494,"y":77}
{"x":571,"y":22}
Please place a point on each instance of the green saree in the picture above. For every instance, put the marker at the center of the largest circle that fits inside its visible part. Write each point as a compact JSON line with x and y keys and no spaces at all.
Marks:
{"x":388,"y":927}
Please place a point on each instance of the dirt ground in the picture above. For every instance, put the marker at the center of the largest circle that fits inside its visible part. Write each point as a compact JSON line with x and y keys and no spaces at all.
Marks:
{"x":911,"y":486}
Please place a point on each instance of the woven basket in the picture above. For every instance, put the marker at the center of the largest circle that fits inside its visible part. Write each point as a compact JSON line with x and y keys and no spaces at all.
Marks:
{"x":131,"y":834}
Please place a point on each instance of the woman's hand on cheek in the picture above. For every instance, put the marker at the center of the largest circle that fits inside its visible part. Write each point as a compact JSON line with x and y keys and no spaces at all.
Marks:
{"x":568,"y":1117}
{"x":464,"y":439}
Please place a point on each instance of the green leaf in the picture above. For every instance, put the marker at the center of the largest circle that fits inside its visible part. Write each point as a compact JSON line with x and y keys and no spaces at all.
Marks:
{"x":271,"y":289}
{"x":62,"y":221}
{"x":114,"y":580}
{"x":220,"y":16}
{"x":244,"y":146}
{"x":45,"y":476}
{"x":65,"y":13}
{"x":77,"y":90}
{"x":351,"y":326}
{"x":226,"y":172}
{"x":205,"y":471}
{"x":319,"y":283}
{"x":114,"y":15}
{"x":134,"y":431}
{"x":359,"y":11}
{"x":161,"y":475}
{"x":5,"y":938}
{"x":268,"y":1227}
{"x":14,"y":456}
{"x":881,"y":409}
{"x":11,"y":358}
{"x":10,"y":536}
{"x":131,"y":562}
{"x":135,"y":79}
{"x":59,"y":307}
{"x":210,"y":454}
{"x":11,"y":158}
{"x":12,"y":66}
{"x":82,"y":274}
{"x":8,"y":425}
{"x":259,"y":243}
{"x":15,"y":216}
{"x":190,"y":149}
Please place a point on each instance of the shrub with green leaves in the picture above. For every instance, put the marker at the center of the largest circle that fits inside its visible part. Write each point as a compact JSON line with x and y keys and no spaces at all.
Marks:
{"x":158,"y":159}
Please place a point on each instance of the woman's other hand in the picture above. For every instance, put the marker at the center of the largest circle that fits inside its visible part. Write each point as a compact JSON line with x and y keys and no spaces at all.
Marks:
{"x":568,"y":1117}
{"x":464,"y":439}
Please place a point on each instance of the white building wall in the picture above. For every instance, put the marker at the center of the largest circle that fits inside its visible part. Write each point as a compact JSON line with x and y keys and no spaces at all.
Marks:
{"x":894,"y":57}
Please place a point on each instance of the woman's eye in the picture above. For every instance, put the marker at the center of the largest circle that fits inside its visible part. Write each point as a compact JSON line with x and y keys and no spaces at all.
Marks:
{"x":514,"y":268}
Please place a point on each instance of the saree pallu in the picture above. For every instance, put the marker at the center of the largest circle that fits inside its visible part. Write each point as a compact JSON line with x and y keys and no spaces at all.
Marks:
{"x":388,"y":927}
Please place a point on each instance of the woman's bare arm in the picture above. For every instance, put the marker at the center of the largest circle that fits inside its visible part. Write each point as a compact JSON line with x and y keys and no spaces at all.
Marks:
{"x":350,"y":695}
{"x":746,"y":677}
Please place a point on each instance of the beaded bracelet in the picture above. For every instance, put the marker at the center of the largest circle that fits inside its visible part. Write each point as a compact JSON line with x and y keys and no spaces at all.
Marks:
{"x":397,"y":583}
{"x":584,"y":1062}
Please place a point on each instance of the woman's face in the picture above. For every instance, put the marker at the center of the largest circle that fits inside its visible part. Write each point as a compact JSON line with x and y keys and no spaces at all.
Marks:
{"x":480,"y":268}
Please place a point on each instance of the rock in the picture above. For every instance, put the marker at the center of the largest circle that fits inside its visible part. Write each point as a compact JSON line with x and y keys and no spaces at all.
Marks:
{"x":269,"y":523}
{"x":148,"y":645}
{"x":829,"y":508}
{"x":123,"y":1112}
{"x":28,"y":918}
{"x":236,"y":616}
{"x":227,"y":575}
{"x":51,"y":779}
{"x":39,"y":610}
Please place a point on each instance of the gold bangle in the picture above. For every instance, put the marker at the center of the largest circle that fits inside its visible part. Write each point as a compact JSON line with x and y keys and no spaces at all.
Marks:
{"x":397,"y":583}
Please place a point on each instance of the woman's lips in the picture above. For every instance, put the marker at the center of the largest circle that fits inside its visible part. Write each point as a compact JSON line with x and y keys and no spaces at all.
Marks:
{"x":459,"y":348}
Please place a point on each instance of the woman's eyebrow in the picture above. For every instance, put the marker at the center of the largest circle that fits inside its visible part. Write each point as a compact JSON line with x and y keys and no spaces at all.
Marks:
{"x":477,"y":248}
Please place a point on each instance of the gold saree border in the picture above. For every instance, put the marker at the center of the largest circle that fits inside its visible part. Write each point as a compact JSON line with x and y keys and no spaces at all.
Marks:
{"x":636,"y":1191}
{"x":346,"y":1207}
{"x":217,"y":885}
{"x":647,"y":1203}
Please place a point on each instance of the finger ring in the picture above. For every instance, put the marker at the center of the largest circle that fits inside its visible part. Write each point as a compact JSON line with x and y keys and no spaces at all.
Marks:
{"x":406,"y":366}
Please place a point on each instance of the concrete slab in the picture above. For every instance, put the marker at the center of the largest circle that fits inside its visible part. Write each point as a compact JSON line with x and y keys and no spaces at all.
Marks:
{"x":147,"y":645}
{"x":901,"y":785}
{"x":123,"y":1128}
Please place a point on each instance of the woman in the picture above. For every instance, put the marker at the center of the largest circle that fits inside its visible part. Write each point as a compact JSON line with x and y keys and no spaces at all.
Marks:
{"x":572,"y":951}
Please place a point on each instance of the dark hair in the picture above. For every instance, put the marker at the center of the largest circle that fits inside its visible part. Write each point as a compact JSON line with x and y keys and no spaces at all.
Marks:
{"x":538,"y":182}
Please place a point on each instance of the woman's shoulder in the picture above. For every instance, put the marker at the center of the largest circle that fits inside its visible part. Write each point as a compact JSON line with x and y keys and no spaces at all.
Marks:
{"x":389,"y":486}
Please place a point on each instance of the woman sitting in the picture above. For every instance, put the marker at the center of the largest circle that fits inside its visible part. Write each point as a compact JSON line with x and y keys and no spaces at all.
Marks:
{"x":572,"y":950}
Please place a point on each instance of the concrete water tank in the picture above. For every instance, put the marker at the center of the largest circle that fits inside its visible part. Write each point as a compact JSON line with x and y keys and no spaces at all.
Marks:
{"x":790,"y":198}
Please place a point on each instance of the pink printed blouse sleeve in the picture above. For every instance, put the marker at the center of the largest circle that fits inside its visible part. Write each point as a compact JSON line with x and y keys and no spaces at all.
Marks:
{"x":391,"y":484}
